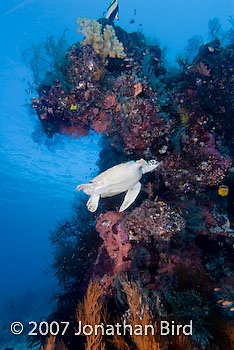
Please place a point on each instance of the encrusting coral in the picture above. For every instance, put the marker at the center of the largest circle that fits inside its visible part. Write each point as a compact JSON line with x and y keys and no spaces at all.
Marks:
{"x":106,"y":44}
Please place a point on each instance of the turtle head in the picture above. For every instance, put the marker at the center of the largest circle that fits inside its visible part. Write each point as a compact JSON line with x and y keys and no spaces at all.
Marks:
{"x":150,"y":165}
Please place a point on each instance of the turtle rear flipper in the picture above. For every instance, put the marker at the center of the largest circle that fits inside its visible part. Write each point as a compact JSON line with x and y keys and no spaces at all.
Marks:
{"x":92,"y":203}
{"x":87,"y":188}
{"x":130,"y":196}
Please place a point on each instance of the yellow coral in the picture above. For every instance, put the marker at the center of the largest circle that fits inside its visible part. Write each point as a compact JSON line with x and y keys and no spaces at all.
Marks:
{"x":106,"y":44}
{"x":184,"y":115}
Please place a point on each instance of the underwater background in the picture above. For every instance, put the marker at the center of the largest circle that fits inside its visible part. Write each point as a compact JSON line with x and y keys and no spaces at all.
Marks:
{"x":41,"y":166}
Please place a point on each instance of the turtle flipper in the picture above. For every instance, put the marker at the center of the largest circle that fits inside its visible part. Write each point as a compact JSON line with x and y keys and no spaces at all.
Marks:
{"x":130,"y":196}
{"x":87,"y":188}
{"x":92,"y":203}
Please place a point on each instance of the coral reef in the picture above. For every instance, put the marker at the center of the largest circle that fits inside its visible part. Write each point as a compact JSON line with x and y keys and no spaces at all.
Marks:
{"x":106,"y":44}
{"x":170,"y":255}
{"x":153,"y":220}
{"x":139,"y":313}
{"x":116,"y":240}
{"x":91,"y":312}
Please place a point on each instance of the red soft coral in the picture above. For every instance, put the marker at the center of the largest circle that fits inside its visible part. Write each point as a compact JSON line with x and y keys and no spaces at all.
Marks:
{"x":115,"y":239}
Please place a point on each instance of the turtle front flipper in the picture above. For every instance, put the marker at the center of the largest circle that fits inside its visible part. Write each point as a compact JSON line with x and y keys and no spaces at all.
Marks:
{"x":130,"y":196}
{"x":92,"y":203}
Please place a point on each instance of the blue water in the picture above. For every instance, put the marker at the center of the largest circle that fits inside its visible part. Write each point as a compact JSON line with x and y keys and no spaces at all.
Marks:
{"x":38,"y":179}
{"x":37,"y":190}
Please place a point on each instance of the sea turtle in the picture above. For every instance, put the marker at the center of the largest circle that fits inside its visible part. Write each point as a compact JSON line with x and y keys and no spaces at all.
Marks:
{"x":120,"y":178}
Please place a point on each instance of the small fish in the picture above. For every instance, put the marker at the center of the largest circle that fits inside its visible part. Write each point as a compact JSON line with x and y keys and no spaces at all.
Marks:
{"x":132,"y":21}
{"x":227,"y":303}
{"x":73,"y":107}
{"x":223,"y":190}
{"x":163,"y":149}
{"x":150,"y":190}
{"x":232,"y":308}
{"x":113,"y":10}
{"x":219,"y":301}
{"x":216,"y":289}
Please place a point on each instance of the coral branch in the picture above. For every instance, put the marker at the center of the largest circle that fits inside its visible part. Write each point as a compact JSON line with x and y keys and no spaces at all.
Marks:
{"x":92,"y":312}
{"x":140,"y":315}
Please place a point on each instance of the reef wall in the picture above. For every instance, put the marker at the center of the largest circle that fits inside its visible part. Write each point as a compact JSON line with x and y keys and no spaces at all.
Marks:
{"x":170,"y":255}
